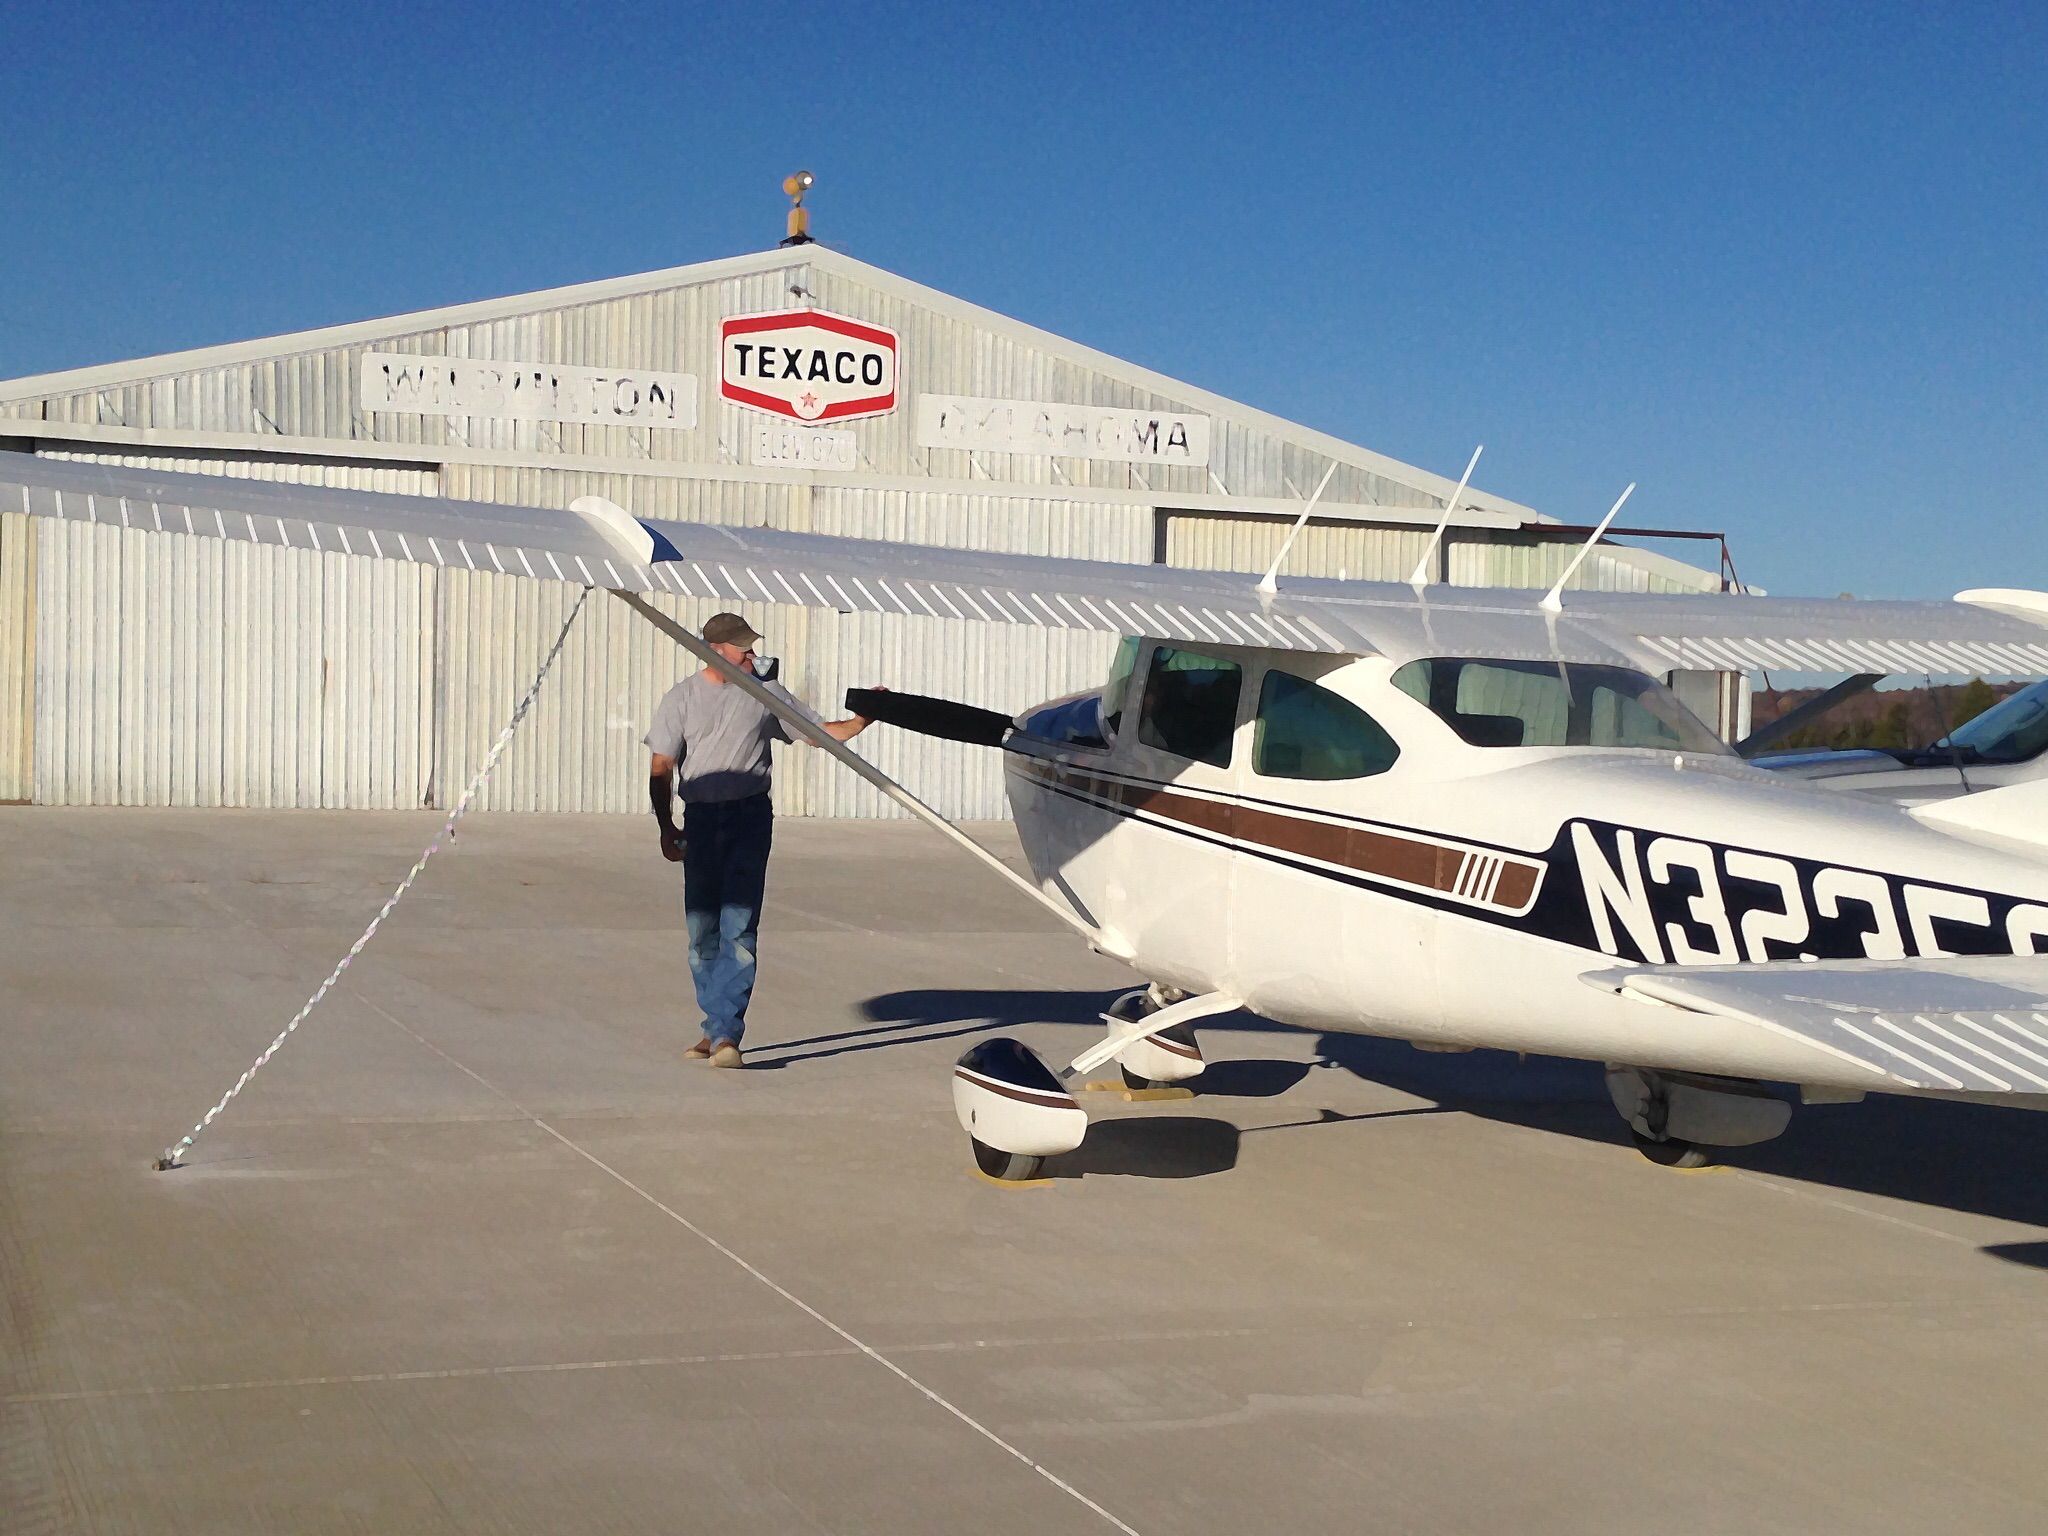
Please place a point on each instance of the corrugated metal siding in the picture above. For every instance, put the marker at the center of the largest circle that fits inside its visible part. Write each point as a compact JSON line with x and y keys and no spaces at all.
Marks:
{"x":18,"y":539}
{"x":734,"y":502}
{"x":316,"y":394}
{"x":1211,"y":541}
{"x":1524,"y":560}
{"x":173,"y":670}
{"x":997,"y":666}
{"x":187,"y":671}
{"x":999,"y":524}
{"x":398,"y":479}
{"x":581,"y":747}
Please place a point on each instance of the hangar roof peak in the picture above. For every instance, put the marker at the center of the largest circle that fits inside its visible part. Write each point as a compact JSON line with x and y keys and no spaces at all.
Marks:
{"x":793,"y":259}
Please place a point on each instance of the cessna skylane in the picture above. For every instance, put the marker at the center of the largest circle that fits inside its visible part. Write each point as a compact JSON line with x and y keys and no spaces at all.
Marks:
{"x":1464,"y":818}
{"x":2007,"y":744}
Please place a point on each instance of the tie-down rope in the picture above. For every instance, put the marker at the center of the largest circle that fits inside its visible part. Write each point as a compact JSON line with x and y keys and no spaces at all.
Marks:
{"x":173,"y":1153}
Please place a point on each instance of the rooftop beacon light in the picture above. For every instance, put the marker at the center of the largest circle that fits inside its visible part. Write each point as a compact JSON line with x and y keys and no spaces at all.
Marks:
{"x":794,"y":187}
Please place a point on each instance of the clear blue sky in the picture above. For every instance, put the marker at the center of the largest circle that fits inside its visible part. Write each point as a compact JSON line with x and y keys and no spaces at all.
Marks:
{"x":1781,"y":264}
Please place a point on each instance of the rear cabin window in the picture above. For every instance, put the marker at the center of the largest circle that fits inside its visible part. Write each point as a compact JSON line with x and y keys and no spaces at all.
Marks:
{"x":1307,"y":732}
{"x":1189,"y":706}
{"x":1551,"y":704}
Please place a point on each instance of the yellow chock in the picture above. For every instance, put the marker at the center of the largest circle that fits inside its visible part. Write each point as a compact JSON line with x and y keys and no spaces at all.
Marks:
{"x":987,"y":1178}
{"x":1137,"y":1095}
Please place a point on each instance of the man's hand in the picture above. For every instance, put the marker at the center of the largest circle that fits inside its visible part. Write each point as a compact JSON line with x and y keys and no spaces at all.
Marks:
{"x":866,"y":720}
{"x":661,"y":771}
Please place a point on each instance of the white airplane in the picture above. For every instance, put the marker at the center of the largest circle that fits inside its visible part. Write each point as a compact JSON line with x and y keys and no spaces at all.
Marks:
{"x":2007,"y":744}
{"x":1465,"y":818}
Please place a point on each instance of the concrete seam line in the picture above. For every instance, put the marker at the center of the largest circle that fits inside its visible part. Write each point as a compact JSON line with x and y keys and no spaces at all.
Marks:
{"x":787,"y":1295}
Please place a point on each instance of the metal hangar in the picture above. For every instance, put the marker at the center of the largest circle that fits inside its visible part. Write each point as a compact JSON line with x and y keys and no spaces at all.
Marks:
{"x":797,"y":387}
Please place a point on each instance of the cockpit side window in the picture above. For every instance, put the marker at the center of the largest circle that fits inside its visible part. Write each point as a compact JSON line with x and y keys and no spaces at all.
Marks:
{"x":1189,"y":706}
{"x":1305,"y":731}
{"x":1553,"y":704}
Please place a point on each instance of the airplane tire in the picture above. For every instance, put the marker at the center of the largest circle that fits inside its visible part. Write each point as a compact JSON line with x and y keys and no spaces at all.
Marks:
{"x":1672,"y":1153}
{"x":1181,"y":1034}
{"x":1010,"y":1167}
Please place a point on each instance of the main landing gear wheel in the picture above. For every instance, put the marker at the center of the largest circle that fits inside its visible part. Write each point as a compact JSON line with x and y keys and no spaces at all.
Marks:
{"x":1181,"y":1035}
{"x":1683,"y":1119}
{"x":1015,"y":1112}
{"x":1010,"y":1167}
{"x":1671,"y":1152}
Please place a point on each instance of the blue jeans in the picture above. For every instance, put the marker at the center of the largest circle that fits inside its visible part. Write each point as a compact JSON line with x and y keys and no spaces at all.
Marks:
{"x":725,"y":868}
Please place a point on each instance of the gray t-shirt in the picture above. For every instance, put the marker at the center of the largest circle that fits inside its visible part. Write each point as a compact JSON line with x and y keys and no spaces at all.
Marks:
{"x":719,"y":735}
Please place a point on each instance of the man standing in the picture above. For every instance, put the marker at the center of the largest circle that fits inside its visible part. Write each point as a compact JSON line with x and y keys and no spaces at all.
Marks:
{"x":718,"y":735}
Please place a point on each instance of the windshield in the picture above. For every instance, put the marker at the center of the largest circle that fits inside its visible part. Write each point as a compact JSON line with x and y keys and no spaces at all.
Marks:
{"x":1550,"y":704}
{"x":2010,"y":731}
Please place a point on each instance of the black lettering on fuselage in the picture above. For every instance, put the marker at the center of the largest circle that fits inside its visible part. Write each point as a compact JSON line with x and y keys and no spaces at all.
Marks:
{"x":1647,"y":896}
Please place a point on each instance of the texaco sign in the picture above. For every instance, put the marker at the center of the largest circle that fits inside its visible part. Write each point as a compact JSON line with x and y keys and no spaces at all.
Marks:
{"x":807,"y":365}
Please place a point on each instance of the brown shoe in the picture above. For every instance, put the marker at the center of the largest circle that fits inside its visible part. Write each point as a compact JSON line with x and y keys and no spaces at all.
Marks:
{"x":700,"y":1050}
{"x":727,"y":1055}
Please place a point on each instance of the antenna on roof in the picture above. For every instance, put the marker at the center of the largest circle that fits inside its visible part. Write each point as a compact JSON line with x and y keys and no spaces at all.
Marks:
{"x":1268,"y":583}
{"x":1552,"y":603}
{"x":1420,"y":578}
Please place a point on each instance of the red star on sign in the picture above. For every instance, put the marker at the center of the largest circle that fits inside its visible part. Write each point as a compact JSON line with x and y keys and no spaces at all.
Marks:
{"x":808,"y":400}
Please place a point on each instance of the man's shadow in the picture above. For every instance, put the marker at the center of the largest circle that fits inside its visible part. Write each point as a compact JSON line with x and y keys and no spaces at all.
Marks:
{"x":918,"y":1016}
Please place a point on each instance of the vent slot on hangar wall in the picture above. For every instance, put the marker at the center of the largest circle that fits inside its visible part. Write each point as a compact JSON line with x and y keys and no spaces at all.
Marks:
{"x":1248,"y":541}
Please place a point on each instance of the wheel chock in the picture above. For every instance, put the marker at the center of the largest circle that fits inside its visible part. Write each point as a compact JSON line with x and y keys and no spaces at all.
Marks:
{"x":1135,"y":1095}
{"x":994,"y":1182}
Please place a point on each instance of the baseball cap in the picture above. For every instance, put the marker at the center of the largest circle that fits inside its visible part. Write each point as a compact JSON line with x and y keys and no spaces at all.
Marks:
{"x":729,"y":629}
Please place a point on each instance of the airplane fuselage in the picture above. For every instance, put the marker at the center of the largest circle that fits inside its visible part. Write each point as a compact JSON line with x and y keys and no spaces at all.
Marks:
{"x":1461,"y":895}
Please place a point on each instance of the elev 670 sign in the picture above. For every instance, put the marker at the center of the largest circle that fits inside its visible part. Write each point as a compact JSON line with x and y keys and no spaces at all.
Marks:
{"x":808,"y":365}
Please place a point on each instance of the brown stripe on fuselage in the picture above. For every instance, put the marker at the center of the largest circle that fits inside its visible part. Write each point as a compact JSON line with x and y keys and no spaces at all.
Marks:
{"x":1517,"y":887}
{"x":1412,"y":861}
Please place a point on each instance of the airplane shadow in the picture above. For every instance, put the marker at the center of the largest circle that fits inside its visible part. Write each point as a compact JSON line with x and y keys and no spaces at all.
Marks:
{"x":1973,"y":1158}
{"x":1154,"y":1147}
{"x":1976,"y":1159}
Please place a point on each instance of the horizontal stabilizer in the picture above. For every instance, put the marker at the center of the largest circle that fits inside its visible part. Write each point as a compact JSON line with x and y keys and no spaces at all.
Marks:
{"x":943,"y":718}
{"x":2017,"y":813}
{"x":1975,"y":1024}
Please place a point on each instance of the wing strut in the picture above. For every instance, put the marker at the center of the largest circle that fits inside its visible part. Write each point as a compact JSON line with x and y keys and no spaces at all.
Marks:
{"x":809,"y":730}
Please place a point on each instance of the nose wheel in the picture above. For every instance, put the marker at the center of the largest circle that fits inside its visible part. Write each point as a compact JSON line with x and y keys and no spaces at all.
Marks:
{"x":1008,"y":1167}
{"x":1165,"y":1061}
{"x":1671,"y":1152}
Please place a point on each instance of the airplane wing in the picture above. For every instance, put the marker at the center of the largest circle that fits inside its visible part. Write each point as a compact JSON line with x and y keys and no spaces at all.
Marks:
{"x":1989,"y":632}
{"x":1975,"y":1024}
{"x":601,"y":545}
